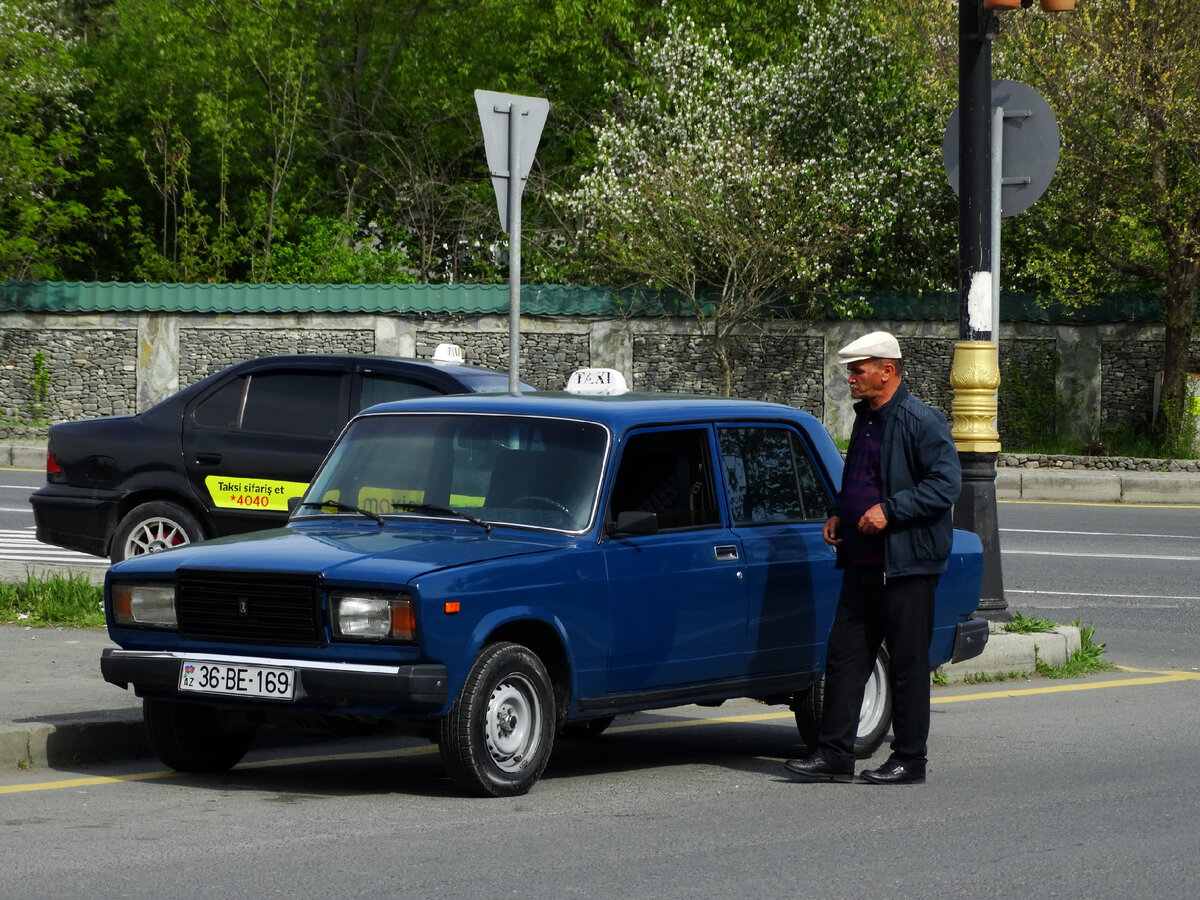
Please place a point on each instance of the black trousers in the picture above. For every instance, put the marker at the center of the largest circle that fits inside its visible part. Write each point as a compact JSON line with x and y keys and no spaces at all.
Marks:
{"x":869,"y":612}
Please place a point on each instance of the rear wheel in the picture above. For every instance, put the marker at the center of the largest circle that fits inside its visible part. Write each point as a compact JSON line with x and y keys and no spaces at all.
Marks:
{"x":497,"y":737}
{"x":874,"y":719}
{"x":193,"y":738}
{"x":154,"y":526}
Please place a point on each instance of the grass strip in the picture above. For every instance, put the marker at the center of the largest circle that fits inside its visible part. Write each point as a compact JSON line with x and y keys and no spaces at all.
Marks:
{"x":56,"y":601}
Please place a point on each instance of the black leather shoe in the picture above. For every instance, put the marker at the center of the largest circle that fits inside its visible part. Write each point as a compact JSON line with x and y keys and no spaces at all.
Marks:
{"x":817,"y":768}
{"x":892,"y":772}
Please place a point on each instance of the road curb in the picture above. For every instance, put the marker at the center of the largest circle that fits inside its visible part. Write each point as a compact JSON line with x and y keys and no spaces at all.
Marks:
{"x":108,"y":736}
{"x":1015,"y":654}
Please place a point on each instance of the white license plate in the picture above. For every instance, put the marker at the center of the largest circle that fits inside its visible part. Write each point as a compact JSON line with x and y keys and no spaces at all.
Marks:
{"x":238,"y":681}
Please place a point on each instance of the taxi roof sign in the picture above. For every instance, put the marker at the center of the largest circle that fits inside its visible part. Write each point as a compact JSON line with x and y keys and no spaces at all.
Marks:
{"x":597,"y":381}
{"x":448,"y":353}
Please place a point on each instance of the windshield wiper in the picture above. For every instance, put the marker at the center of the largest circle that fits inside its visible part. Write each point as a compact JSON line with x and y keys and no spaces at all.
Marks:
{"x":346,"y":507}
{"x":445,"y":511}
{"x":412,"y":507}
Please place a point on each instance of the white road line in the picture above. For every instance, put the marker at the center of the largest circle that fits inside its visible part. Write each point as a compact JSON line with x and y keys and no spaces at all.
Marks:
{"x":1166,"y":602}
{"x":1137,"y":556}
{"x":23,"y":546}
{"x":1115,"y":534}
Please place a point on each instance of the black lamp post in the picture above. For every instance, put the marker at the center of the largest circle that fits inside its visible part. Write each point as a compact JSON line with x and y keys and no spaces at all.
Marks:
{"x":975,"y":374}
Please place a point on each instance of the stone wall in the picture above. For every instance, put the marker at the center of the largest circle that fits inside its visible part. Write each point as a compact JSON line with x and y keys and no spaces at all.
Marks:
{"x":121,"y":363}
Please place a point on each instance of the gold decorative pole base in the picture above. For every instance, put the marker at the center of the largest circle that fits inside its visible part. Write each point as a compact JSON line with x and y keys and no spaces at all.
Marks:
{"x":974,"y":377}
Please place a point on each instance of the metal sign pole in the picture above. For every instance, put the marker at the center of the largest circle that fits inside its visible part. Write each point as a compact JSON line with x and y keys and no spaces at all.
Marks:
{"x":510,"y":157}
{"x":515,"y":185}
{"x":997,"y":179}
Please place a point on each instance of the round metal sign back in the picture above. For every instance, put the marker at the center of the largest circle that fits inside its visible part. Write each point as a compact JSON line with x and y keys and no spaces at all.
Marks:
{"x":1030,"y":146}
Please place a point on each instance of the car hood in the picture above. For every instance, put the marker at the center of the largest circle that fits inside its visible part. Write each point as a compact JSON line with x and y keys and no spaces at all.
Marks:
{"x":394,"y":554}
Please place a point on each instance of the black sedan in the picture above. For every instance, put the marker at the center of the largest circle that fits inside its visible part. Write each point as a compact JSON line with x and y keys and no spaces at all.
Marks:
{"x":223,"y":456}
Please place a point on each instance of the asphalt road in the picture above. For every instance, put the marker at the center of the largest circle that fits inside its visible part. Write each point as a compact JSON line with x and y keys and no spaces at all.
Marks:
{"x":1079,"y":789}
{"x":18,"y":543}
{"x":1133,"y":571}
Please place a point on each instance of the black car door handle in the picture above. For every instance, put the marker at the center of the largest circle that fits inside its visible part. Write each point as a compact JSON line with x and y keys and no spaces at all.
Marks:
{"x":208,"y":459}
{"x":725,"y":552}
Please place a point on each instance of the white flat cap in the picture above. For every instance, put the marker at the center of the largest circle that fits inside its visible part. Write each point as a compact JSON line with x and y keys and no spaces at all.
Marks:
{"x":876,"y":345}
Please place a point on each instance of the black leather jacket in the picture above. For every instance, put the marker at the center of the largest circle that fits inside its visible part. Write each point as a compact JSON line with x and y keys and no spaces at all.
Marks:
{"x":921,"y":478}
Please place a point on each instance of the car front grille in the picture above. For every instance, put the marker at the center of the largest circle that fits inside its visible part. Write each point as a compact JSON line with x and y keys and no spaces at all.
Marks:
{"x":250,"y":607}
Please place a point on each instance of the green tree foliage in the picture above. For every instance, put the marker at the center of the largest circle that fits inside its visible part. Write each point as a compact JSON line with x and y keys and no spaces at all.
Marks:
{"x":40,"y":134}
{"x":791,"y":146}
{"x":1123,"y":77}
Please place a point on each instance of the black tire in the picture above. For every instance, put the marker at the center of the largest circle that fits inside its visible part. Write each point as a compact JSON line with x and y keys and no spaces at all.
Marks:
{"x":151,"y":527}
{"x":192,"y":738}
{"x":587,"y":729}
{"x":497,"y":737}
{"x":874,"y":720}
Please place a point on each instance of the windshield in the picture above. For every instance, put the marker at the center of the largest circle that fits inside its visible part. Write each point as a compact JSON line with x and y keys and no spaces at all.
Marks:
{"x":513,"y":470}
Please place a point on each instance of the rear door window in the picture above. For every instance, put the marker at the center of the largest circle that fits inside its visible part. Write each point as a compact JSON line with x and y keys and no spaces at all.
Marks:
{"x":303,"y":404}
{"x":769,"y":476}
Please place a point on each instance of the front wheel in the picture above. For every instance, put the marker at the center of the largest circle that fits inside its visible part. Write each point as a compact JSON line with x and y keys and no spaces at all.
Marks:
{"x":193,"y":738}
{"x":874,"y":718}
{"x":497,"y":737}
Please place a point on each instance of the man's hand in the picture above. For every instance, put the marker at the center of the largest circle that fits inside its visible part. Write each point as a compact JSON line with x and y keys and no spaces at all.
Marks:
{"x":830,"y":531}
{"x":873,"y":520}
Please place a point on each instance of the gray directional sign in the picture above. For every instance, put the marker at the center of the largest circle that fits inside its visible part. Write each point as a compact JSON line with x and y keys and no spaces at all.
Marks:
{"x":1030,"y":146}
{"x":498,"y":113}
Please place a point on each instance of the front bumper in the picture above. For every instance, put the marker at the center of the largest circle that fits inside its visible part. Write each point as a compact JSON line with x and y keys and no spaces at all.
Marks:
{"x":970,"y":637}
{"x":330,"y":686}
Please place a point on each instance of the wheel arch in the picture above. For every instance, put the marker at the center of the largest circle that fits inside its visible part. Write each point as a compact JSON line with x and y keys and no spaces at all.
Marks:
{"x":546,"y":641}
{"x":139,"y":496}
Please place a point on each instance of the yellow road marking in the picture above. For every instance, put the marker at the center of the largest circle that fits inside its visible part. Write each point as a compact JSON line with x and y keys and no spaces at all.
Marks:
{"x":1102,"y":503}
{"x":83,"y":782}
{"x":1155,"y":678}
{"x":1151,"y":678}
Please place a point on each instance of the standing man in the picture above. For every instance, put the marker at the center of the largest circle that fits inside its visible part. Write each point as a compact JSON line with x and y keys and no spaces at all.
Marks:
{"x":892,"y":529}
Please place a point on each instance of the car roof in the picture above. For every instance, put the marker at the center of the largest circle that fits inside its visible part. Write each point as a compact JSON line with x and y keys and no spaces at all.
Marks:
{"x":619,"y":412}
{"x":335,"y":359}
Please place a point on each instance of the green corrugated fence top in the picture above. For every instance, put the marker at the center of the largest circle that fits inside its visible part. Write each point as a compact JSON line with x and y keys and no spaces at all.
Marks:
{"x":398,"y":299}
{"x":492,"y":299}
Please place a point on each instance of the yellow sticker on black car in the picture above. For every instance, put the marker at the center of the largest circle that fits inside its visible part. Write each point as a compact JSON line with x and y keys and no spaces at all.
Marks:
{"x":252,"y":493}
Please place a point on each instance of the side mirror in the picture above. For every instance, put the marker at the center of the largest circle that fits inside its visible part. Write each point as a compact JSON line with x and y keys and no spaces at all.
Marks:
{"x":292,"y":503}
{"x":632,"y":523}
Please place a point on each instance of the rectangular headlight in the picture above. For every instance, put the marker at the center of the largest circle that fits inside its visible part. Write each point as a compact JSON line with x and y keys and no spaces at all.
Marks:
{"x":144,"y":605}
{"x":372,"y":616}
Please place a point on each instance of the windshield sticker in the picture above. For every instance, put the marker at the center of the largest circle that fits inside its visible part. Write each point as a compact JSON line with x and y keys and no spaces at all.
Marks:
{"x":252,"y":493}
{"x":384,"y":500}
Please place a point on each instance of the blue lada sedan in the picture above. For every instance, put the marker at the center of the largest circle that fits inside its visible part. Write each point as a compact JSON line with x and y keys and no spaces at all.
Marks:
{"x":494,"y":571}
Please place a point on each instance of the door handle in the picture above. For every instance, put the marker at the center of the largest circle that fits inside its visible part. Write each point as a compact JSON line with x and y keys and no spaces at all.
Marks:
{"x":208,"y":459}
{"x":726,"y":552}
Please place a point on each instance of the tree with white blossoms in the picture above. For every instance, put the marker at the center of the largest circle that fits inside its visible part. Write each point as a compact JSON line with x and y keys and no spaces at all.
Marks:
{"x":746,"y":187}
{"x":40,"y":137}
